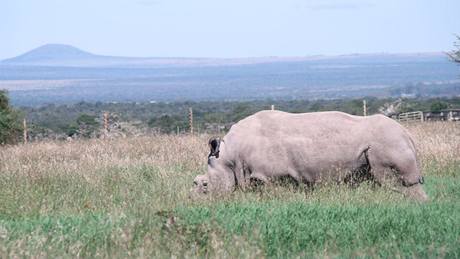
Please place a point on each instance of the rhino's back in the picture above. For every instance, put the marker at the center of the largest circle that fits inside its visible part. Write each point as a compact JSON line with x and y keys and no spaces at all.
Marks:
{"x":276,"y":141}
{"x":310,"y":125}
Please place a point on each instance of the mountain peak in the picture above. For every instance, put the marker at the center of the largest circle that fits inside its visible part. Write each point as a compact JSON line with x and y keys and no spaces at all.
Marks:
{"x":51,"y":52}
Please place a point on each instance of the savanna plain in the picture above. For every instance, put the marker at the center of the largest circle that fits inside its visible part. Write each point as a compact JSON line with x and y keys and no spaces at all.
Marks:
{"x":129,"y":197}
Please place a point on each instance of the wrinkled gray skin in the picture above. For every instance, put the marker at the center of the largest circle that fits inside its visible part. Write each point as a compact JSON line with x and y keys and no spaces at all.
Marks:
{"x":311,"y":147}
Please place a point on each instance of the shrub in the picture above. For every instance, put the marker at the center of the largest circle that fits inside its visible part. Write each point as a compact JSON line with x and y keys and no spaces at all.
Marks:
{"x":10,"y":126}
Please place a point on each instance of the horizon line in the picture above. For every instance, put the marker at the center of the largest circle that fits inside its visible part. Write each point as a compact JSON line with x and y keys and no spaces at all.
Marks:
{"x":433,"y":52}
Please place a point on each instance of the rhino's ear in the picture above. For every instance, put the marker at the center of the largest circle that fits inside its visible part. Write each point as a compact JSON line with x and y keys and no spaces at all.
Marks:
{"x":214,"y":144}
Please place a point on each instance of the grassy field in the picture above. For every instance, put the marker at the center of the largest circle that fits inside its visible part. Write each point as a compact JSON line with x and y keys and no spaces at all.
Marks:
{"x":129,"y":197}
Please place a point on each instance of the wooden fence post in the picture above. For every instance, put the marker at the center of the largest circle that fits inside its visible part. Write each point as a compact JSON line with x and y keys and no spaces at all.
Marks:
{"x":190,"y":115}
{"x":364,"y":108}
{"x":106,"y":122}
{"x":25,"y":131}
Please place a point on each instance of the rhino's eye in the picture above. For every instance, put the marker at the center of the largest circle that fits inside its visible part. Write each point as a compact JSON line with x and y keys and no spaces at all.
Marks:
{"x":195,"y":183}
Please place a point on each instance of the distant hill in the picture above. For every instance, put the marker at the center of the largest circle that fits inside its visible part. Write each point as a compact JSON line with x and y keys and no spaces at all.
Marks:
{"x":51,"y":52}
{"x":69,"y":56}
{"x":62,"y":55}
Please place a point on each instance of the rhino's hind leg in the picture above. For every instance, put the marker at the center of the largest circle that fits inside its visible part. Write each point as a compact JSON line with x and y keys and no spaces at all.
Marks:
{"x":403,"y":170}
{"x":382,"y":175}
{"x":361,"y":172}
{"x":411,"y":179}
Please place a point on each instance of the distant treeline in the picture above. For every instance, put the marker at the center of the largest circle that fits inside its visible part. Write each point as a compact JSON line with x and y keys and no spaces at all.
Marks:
{"x":67,"y":120}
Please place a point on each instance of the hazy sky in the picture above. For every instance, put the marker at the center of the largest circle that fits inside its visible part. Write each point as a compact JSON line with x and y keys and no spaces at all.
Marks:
{"x":229,"y":28}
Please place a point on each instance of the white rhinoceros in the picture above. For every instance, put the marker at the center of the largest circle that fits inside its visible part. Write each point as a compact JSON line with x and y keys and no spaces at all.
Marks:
{"x":309,"y":147}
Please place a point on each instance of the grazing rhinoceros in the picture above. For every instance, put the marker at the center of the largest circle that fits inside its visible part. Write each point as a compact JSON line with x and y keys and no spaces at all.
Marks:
{"x":309,"y":147}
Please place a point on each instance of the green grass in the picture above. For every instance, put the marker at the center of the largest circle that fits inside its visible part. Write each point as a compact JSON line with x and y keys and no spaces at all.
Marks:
{"x":68,"y":217}
{"x":142,"y":210}
{"x":296,"y":228}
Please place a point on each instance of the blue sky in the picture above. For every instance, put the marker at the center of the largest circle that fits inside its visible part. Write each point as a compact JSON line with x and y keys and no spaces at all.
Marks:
{"x":233,"y":28}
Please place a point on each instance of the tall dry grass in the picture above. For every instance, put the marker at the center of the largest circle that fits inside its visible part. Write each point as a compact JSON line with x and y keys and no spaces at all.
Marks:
{"x":86,"y":156}
{"x":438,"y":145}
{"x":436,"y":142}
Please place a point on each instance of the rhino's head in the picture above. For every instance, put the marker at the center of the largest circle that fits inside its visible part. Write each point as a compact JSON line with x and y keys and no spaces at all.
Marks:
{"x":219,"y":176}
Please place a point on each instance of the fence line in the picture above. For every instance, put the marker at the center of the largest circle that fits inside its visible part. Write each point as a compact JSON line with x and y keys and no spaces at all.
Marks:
{"x":411,"y":116}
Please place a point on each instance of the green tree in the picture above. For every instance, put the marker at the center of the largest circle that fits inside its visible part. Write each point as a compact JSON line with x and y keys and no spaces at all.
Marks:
{"x":438,"y":105}
{"x":85,"y":125}
{"x":10,"y":123}
{"x":72,"y":129}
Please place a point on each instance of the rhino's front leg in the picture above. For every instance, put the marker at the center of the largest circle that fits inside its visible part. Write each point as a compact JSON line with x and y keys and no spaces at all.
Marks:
{"x":221,"y":179}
